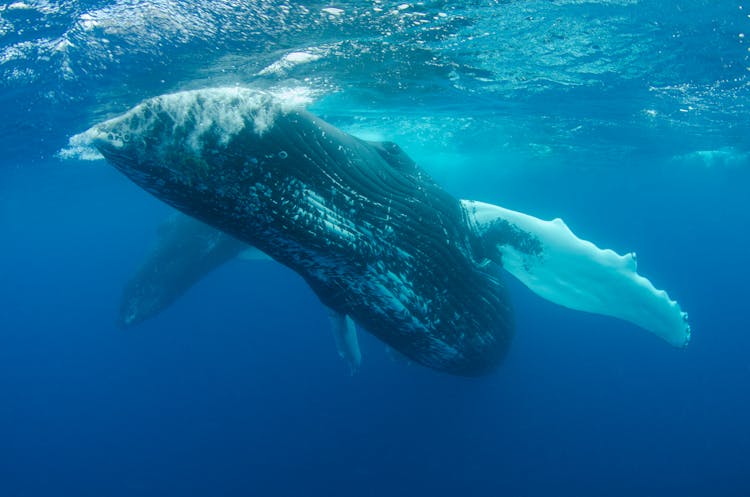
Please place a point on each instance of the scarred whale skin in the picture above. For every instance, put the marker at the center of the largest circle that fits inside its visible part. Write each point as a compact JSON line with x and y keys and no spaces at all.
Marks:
{"x":371,"y":233}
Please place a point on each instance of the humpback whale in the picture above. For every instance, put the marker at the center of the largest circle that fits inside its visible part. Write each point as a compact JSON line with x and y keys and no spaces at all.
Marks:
{"x":379,"y":242}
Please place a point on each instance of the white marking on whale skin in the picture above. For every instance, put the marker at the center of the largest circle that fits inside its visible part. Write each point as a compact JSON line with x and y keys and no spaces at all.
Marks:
{"x":335,"y":223}
{"x":577,"y":274}
{"x":388,"y":293}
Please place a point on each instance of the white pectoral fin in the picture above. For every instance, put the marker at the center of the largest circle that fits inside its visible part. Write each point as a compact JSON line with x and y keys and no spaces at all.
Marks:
{"x":345,"y":335}
{"x":557,"y":265}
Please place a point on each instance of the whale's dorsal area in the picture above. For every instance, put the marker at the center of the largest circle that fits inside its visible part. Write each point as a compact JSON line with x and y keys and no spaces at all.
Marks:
{"x":377,"y":240}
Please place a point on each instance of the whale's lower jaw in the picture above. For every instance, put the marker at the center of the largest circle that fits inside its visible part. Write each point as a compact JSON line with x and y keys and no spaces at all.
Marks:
{"x":374,"y":237}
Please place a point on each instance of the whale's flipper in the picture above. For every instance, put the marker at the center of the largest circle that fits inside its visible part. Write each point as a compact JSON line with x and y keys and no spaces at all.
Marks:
{"x":253,"y":254}
{"x":185,"y":251}
{"x":345,"y":335}
{"x":557,"y":265}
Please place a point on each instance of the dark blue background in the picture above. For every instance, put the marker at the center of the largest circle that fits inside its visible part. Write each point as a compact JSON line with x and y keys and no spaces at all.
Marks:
{"x":237,"y":388}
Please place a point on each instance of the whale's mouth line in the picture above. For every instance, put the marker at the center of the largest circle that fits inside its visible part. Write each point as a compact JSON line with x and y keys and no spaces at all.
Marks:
{"x":112,"y":153}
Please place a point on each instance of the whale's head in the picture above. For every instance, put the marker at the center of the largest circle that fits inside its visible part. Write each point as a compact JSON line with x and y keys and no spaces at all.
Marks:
{"x":197,"y":149}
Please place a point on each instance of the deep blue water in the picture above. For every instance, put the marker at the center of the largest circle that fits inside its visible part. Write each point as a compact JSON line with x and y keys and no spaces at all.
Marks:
{"x":626,"y":118}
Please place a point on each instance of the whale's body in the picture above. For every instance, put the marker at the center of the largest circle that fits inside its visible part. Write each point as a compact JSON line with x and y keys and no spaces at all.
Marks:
{"x":375,"y":238}
{"x":370,"y":232}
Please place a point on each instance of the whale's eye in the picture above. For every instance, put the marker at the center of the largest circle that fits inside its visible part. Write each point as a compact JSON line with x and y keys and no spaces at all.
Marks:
{"x":283,"y":154}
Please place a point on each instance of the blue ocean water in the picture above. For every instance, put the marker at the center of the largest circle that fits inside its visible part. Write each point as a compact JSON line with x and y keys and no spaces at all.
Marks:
{"x":626,"y":118}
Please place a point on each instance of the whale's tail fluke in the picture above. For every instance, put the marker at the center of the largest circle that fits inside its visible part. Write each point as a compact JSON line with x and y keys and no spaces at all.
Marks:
{"x":557,"y":265}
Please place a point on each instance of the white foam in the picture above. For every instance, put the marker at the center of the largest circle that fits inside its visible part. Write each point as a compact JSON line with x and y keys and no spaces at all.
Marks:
{"x":333,"y":11}
{"x":725,"y":157}
{"x":293,"y":97}
{"x":577,"y":274}
{"x":80,"y":148}
{"x":290,"y":61}
{"x":20,"y":6}
{"x":222,"y":111}
{"x":88,"y":22}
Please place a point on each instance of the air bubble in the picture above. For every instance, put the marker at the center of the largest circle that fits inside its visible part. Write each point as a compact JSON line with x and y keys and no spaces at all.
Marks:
{"x":283,"y":154}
